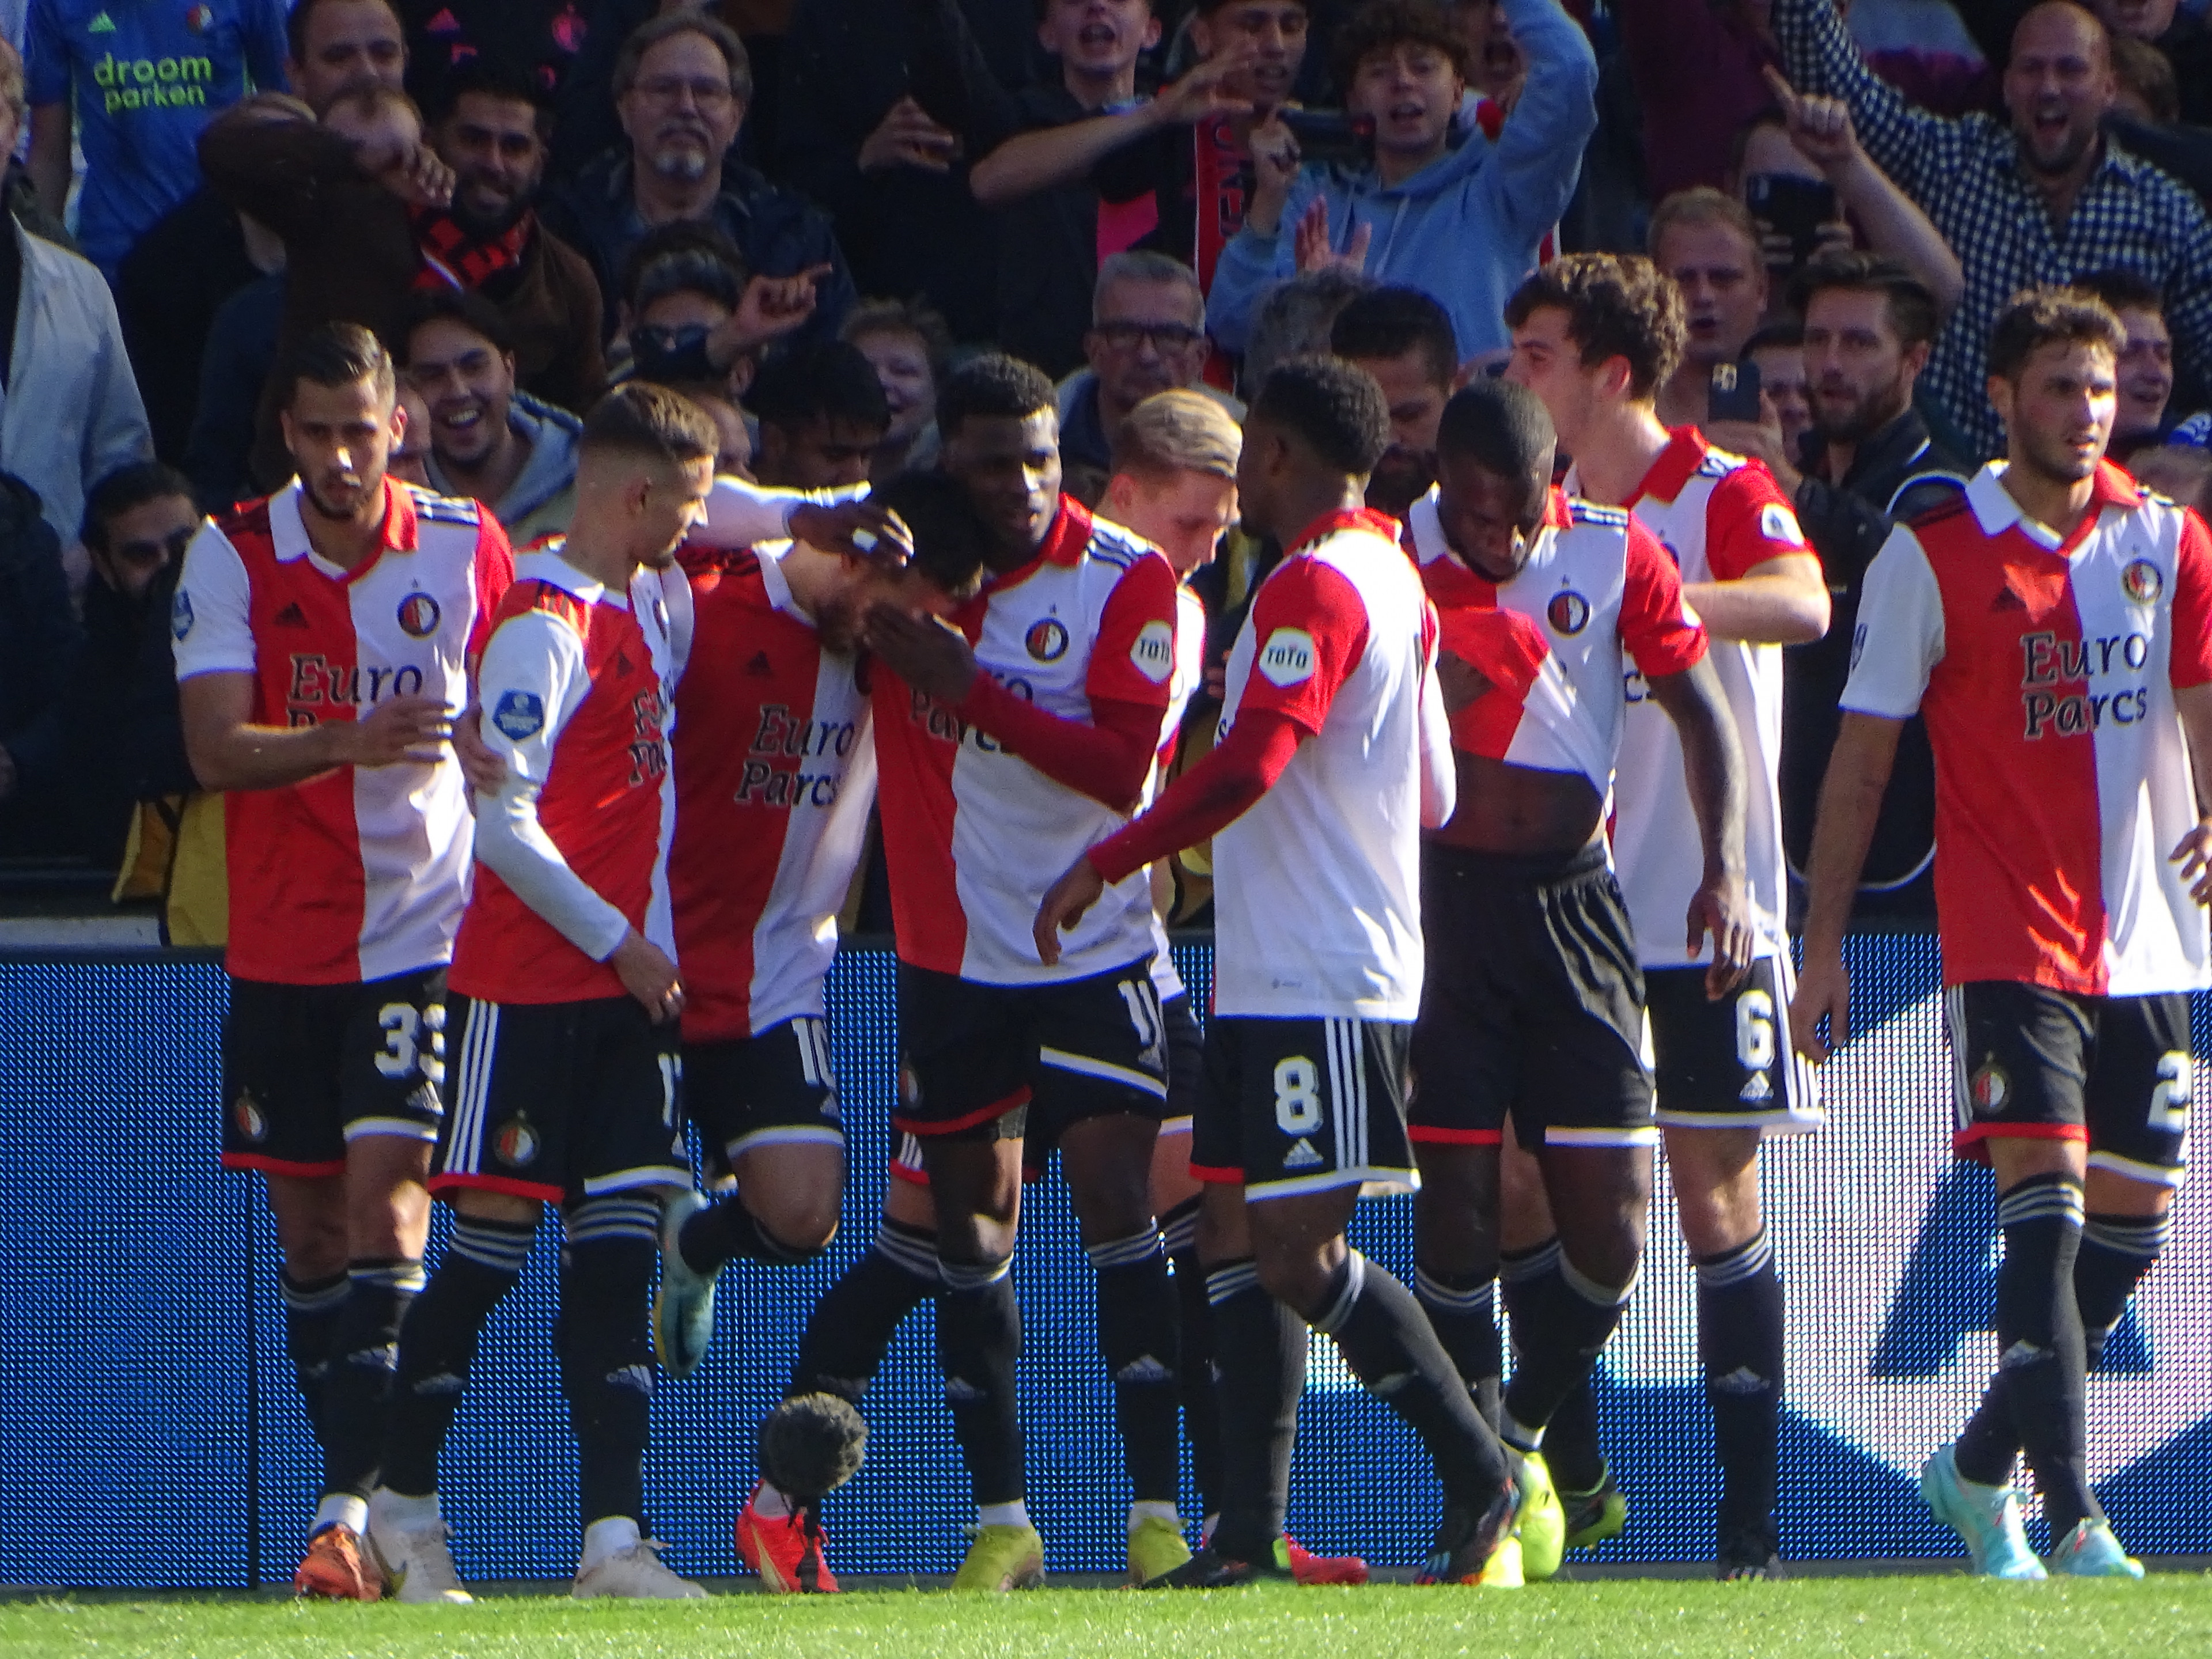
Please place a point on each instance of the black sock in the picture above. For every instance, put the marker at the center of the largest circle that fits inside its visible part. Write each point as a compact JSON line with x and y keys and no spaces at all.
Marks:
{"x":979,"y":1340}
{"x":2116,"y":1252}
{"x":1197,"y":1376}
{"x":1391,"y":1347}
{"x":2039,"y":1345}
{"x":1137,"y":1335}
{"x":853,"y":1324}
{"x":438,"y":1344}
{"x":1462,"y":1308}
{"x":365,"y":1354}
{"x":727,"y":1231}
{"x":606,"y":1349}
{"x":1739,"y":1341}
{"x":1561,"y":1322}
{"x":1571,"y":1451}
{"x":313,"y":1308}
{"x":1260,"y":1346}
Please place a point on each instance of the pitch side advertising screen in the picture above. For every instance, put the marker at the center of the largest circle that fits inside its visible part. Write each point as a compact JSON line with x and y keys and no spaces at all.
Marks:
{"x":149,"y":1434}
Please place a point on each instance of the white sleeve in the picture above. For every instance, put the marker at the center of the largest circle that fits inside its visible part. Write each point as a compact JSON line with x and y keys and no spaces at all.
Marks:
{"x":210,"y":618}
{"x":1439,"y":773}
{"x":742,"y":513}
{"x":530,"y":681}
{"x":1900,"y":638}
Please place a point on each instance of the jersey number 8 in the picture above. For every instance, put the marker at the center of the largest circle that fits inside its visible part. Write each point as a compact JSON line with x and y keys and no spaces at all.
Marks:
{"x":1298,"y":1096}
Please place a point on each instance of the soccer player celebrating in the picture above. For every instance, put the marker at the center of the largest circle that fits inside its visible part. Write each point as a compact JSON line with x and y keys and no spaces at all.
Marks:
{"x":1332,"y":756}
{"x":1006,"y":744}
{"x":1595,"y":336}
{"x":1533,"y":1005}
{"x":2053,"y":627}
{"x":567,"y":998}
{"x":322,"y":639}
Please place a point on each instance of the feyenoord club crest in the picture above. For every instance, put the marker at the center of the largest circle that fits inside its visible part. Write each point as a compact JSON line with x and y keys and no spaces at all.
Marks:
{"x":246,"y":1114}
{"x":418,"y":616}
{"x":1990,"y":1088}
{"x":516,"y":1143}
{"x":2140,"y":580}
{"x":1568,"y":612}
{"x":1047,"y":641}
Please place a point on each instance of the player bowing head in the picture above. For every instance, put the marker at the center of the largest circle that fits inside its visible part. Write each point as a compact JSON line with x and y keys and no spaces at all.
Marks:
{"x":1494,"y":450}
{"x":1533,"y":1009}
{"x":645,"y":462}
{"x":1175,"y":477}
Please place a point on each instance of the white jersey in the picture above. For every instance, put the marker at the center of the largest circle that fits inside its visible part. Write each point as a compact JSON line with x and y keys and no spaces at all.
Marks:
{"x":1189,"y":675}
{"x":1721,"y":516}
{"x":1316,"y":888}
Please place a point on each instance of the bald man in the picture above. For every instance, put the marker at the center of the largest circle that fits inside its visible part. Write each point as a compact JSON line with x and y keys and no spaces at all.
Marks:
{"x":2042,"y":195}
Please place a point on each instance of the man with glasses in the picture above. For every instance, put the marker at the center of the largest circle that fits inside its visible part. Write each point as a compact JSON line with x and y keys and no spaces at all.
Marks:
{"x":1147,"y":335}
{"x":683,"y":84}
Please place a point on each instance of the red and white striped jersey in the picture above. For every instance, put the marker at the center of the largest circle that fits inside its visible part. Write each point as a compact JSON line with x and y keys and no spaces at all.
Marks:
{"x":775,"y":776}
{"x":360,"y":873}
{"x":1316,"y":888}
{"x":1597,"y":594}
{"x":2045,"y":671}
{"x":1721,"y":516}
{"x":973,"y":835}
{"x":577,"y":684}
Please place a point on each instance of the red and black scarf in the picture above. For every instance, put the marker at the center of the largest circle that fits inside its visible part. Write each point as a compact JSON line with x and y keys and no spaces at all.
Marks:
{"x":454,"y":257}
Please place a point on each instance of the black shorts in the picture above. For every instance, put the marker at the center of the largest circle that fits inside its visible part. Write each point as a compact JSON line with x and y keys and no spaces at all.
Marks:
{"x":973,"y":1057}
{"x":308,"y":1068}
{"x":1186,"y":1064}
{"x":2035,"y":1064}
{"x":1296,"y":1106}
{"x":774,"y":1089}
{"x":562,"y":1101}
{"x":1532,"y":1005}
{"x":1730,"y":1064}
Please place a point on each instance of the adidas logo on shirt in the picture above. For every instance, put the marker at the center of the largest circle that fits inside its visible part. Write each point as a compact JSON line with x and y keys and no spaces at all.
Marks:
{"x":759,"y":665}
{"x":2007,"y":599}
{"x":291,"y":616}
{"x":101,"y":24}
{"x":1758,"y":1089}
{"x":1301,"y":1156}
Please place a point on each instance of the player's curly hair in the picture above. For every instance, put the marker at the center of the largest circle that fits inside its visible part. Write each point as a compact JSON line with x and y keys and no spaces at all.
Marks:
{"x":828,"y":380}
{"x":1333,"y":406}
{"x":2039,"y":317}
{"x":812,"y":1445}
{"x":1618,"y":304}
{"x":993,"y":387}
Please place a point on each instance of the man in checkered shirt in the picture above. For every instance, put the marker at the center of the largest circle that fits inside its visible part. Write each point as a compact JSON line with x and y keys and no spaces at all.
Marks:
{"x":2042,"y":201}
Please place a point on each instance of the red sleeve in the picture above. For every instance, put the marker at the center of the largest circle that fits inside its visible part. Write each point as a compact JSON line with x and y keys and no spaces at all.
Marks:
{"x":1134,"y":659}
{"x":1658,"y":637}
{"x":495,"y":575}
{"x":1108,"y":760}
{"x":1209,"y":797}
{"x":1748,"y":520}
{"x":1310,"y":629}
{"x":2190,"y":662}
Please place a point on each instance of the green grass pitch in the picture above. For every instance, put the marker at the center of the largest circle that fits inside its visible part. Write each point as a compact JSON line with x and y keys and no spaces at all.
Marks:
{"x":1952,"y":1616}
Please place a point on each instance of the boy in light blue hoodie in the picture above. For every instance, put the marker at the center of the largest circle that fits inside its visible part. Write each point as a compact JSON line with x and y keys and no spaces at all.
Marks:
{"x":1463,"y":223}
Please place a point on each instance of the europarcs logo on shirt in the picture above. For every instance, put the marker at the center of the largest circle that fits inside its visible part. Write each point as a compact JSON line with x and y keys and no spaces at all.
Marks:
{"x":136,"y":83}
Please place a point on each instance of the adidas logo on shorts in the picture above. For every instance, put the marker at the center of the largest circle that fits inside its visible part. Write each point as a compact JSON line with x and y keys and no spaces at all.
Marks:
{"x":1758,"y":1089}
{"x":1301,"y":1156}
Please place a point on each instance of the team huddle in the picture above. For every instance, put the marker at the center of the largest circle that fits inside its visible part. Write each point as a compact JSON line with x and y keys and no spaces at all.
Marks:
{"x":536,"y":861}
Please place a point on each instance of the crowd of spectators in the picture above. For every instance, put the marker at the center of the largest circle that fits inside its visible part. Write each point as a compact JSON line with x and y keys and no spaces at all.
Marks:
{"x":801,"y":212}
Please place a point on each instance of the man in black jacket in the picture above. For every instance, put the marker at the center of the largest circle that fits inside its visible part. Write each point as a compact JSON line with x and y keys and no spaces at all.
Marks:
{"x":39,"y":641}
{"x":1867,"y":464}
